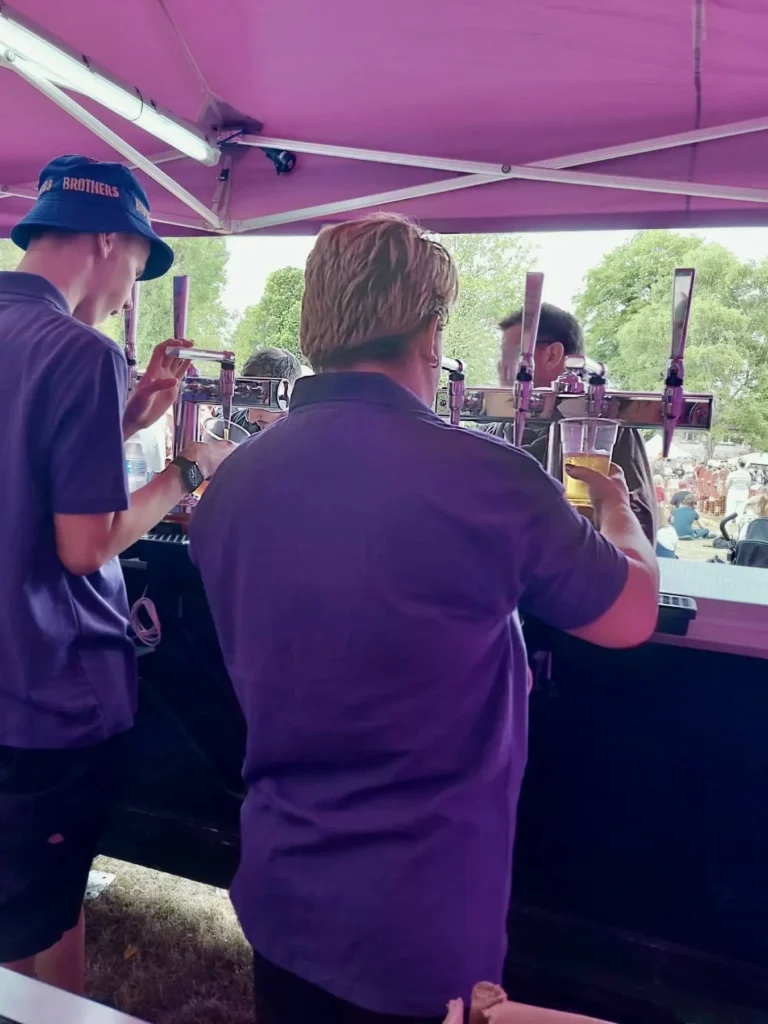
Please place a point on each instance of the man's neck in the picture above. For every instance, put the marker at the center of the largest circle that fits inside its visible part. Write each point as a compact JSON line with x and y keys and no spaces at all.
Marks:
{"x":400,"y":375}
{"x":70,"y":279}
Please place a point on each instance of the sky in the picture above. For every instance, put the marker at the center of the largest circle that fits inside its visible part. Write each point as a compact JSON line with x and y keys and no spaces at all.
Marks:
{"x":563,"y":257}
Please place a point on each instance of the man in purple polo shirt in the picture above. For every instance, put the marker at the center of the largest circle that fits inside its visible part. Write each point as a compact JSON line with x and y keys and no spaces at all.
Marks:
{"x":67,"y":665}
{"x":365,"y":563}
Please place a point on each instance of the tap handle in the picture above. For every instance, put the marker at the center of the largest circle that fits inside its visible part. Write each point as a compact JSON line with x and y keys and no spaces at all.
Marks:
{"x":131,"y":324}
{"x":454,"y":365}
{"x":534,"y":284}
{"x":682,"y":295}
{"x":180,"y":305}
{"x":214,"y":355}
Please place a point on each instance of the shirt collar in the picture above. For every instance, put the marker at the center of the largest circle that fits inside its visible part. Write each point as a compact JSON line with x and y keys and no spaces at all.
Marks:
{"x":15,"y":285}
{"x":365,"y":388}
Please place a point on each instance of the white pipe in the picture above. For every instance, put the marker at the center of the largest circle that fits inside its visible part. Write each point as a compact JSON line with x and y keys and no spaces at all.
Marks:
{"x":87,"y":119}
{"x":23,"y":42}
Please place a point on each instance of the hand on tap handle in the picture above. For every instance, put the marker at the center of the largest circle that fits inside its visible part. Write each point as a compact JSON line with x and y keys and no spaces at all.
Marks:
{"x":158,"y":388}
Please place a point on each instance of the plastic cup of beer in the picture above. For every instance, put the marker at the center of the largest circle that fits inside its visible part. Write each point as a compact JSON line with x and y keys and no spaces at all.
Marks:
{"x":587,"y":442}
{"x":214,"y":429}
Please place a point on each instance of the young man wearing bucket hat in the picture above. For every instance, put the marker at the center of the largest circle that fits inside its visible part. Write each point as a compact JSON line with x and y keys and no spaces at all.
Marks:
{"x":67,"y":664}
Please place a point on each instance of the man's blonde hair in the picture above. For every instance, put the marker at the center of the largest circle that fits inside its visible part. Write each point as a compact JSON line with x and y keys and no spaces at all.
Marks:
{"x":369,"y":285}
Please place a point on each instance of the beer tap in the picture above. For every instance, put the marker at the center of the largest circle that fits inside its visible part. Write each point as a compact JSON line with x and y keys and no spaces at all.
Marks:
{"x":226,"y":361}
{"x":534,"y":284}
{"x":456,"y":372}
{"x":673,"y":398}
{"x":577,"y":370}
{"x":131,"y":324}
{"x":595,"y":387}
{"x":180,"y":310}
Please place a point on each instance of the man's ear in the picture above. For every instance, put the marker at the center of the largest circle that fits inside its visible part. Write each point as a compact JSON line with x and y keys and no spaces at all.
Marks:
{"x":429,"y":342}
{"x":105,"y":242}
{"x":555,"y":354}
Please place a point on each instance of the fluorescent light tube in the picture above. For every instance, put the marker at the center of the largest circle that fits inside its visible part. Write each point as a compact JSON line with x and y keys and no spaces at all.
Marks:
{"x":72,"y":73}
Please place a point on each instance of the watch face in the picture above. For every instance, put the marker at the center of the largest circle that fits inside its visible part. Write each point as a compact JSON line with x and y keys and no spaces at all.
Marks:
{"x":191,"y":476}
{"x":195,"y":476}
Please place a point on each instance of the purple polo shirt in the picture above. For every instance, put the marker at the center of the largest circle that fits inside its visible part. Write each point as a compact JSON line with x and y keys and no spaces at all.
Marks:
{"x":67,"y":666}
{"x":364,"y":563}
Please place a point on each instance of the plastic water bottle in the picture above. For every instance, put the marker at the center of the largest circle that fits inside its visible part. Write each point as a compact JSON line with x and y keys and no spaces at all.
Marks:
{"x":135,"y":465}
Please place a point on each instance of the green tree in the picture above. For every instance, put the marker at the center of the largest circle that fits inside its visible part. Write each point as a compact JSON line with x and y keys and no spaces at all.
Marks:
{"x":209,"y":323}
{"x":9,"y":254}
{"x":629,"y":324}
{"x":205,"y":260}
{"x":274,"y":320}
{"x":622,"y":284}
{"x":492,"y":272}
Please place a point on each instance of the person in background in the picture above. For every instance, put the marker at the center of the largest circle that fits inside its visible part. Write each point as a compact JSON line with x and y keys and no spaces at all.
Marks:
{"x":380,"y":662}
{"x":67,"y":665}
{"x":679,"y":497}
{"x":560,"y":335}
{"x":737,"y":485}
{"x":666,"y":538}
{"x":264,"y":362}
{"x":659,"y":489}
{"x":684,"y":519}
{"x":756,"y":508}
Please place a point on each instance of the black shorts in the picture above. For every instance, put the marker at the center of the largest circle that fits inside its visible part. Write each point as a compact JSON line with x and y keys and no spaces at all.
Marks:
{"x":283,"y":998}
{"x":53,"y":804}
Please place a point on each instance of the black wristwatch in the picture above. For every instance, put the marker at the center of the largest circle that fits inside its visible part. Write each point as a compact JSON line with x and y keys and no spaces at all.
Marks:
{"x":191,"y":474}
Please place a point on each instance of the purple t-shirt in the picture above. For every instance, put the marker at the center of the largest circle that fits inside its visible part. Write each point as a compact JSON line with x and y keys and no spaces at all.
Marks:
{"x":364,"y":563}
{"x":67,"y":665}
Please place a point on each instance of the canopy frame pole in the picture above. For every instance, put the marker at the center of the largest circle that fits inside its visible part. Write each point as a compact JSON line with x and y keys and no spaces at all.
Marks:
{"x":654,"y":145}
{"x":175,"y":220}
{"x":748,"y":195}
{"x":125,"y":149}
{"x":556,"y":170}
{"x":397,"y":195}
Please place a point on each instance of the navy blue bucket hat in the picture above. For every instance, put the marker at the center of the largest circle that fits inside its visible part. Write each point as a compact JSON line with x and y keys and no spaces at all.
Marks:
{"x":78,"y":194}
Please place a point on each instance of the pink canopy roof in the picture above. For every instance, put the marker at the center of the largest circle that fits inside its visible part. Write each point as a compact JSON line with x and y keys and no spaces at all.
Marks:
{"x":502,"y":82}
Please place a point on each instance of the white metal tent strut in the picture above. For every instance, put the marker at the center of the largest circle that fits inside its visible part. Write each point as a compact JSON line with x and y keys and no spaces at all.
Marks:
{"x":466,"y":173}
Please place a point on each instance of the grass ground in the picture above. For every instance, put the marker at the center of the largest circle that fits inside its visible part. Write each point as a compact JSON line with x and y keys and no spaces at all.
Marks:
{"x":702,"y":550}
{"x":167,"y":950}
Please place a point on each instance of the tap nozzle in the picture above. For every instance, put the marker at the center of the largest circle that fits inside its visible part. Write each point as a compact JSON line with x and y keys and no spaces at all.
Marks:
{"x":227,"y":388}
{"x":534,"y":284}
{"x":456,"y":370}
{"x":596,"y":390}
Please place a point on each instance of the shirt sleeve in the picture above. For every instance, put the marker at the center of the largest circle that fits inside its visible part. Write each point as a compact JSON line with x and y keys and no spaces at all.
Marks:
{"x":87,"y":461}
{"x":570,"y":573}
